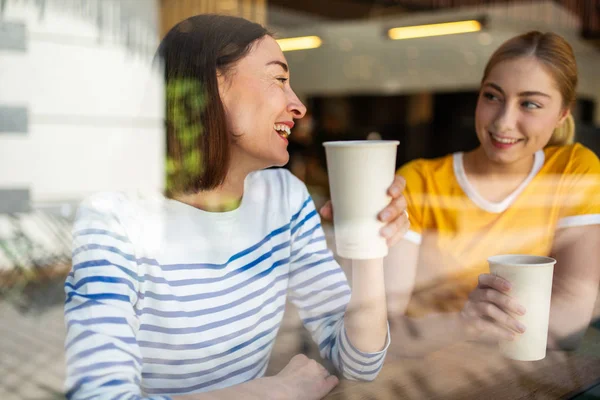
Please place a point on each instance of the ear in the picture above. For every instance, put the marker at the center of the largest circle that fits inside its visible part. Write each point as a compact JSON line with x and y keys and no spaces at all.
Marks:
{"x":221,"y":83}
{"x":563,"y":116}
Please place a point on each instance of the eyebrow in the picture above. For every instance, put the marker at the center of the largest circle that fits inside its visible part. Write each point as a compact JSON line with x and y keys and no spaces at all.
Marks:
{"x":280,"y":63}
{"x":522,"y":94}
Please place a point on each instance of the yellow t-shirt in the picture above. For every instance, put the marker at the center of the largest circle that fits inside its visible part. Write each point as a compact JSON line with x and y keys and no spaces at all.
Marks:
{"x":457,"y":229}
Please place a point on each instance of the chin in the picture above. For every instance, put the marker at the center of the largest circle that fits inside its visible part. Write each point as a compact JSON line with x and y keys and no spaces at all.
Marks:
{"x":278,"y":161}
{"x":501,"y":156}
{"x":282,"y":162}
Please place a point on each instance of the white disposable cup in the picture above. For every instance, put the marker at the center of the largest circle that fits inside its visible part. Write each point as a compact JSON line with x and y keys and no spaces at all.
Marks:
{"x":360,"y":174}
{"x":531,"y":280}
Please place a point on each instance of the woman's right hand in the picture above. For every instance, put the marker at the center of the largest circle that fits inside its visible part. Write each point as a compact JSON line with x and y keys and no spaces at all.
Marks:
{"x":303,"y":378}
{"x":489,"y":312}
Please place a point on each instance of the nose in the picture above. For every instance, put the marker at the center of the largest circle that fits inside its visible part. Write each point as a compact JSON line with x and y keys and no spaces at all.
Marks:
{"x":295,"y":106}
{"x":506,"y":119}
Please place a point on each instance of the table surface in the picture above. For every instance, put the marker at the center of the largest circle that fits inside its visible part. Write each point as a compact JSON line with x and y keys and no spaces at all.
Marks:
{"x":32,"y":364}
{"x":478,"y":371}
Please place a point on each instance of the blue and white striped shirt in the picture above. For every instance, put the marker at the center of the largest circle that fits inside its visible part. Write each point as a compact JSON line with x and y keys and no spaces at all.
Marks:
{"x":166,"y":299}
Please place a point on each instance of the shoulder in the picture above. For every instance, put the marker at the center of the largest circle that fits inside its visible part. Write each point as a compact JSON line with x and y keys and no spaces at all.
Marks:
{"x":105,"y":203}
{"x":574,"y":158}
{"x":422,"y":169}
{"x":119,"y":207}
{"x":133,"y":219}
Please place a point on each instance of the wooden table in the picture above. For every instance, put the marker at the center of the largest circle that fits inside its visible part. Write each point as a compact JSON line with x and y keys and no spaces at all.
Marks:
{"x":477,"y":371}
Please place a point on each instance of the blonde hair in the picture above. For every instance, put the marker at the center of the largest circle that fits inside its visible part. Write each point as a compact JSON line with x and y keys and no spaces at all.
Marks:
{"x":563,"y":134}
{"x":556,"y":54}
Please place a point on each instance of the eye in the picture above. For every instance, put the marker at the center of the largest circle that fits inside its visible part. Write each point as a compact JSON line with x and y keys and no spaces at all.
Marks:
{"x":530,"y":105}
{"x":490,"y":96}
{"x":282,"y":79}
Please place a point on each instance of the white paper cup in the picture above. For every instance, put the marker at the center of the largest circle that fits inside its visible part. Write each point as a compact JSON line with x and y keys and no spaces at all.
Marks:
{"x":531,"y":279}
{"x":360,"y":173}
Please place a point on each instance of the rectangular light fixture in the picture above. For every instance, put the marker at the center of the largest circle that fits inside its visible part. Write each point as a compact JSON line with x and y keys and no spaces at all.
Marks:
{"x":299,"y":43}
{"x":445,"y":28}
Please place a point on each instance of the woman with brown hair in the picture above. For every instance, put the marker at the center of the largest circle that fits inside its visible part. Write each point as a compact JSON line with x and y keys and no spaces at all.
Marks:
{"x":182,"y":297}
{"x":527,"y":189}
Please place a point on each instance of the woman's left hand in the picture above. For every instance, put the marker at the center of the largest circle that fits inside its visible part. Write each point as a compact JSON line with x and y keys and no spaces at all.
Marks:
{"x":394,"y":215}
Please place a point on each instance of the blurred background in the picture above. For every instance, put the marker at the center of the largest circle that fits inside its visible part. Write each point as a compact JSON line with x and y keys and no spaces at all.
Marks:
{"x":82,"y":111}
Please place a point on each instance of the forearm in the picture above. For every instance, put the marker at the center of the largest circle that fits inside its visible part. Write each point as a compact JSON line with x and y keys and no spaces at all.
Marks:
{"x":257,"y":389}
{"x":570,"y":315}
{"x":574,"y":285}
{"x":366,"y":316}
{"x":416,"y":337}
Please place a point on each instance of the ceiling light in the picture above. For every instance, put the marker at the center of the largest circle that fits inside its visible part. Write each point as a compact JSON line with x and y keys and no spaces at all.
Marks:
{"x":299,"y":43}
{"x":446,"y":28}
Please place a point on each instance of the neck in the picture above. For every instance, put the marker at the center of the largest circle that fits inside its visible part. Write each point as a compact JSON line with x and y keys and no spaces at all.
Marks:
{"x":225,"y":197}
{"x":476,"y":162}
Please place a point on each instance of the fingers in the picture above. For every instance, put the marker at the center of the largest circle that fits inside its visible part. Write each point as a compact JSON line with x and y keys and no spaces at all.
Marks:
{"x":296,"y":362}
{"x":396,"y":208}
{"x":330,"y":382}
{"x":299,"y":359}
{"x":396,"y":230}
{"x":492,"y":311}
{"x":395,"y":214}
{"x":327,"y":211}
{"x":321,"y":370}
{"x":397,"y":186}
{"x":491,"y":330}
{"x":324,"y":380}
{"x":494,"y":282}
{"x":501,"y":300}
{"x":494,"y":305}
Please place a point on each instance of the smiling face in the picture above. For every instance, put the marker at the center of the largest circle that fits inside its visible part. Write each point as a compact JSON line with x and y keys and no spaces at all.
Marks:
{"x":519,"y":107}
{"x":260,"y":107}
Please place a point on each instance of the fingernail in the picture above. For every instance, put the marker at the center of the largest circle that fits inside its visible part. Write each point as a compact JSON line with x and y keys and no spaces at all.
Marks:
{"x":386,"y":215}
{"x":395,"y":191}
{"x":387,"y":231}
{"x":520,"y":327}
{"x":521,"y":310}
{"x":506,"y":286}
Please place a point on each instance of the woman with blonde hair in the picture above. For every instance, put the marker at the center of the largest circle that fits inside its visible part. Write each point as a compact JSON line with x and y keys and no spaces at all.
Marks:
{"x":527,"y":189}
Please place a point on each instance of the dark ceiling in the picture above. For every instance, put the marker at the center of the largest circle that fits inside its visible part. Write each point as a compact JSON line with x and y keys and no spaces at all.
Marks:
{"x":587,"y":10}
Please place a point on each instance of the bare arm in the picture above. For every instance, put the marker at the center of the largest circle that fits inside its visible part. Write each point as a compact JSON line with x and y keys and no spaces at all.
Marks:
{"x":482,"y":317}
{"x":575,"y":284}
{"x":413,"y":336}
{"x":575,"y":287}
{"x":366,"y":317}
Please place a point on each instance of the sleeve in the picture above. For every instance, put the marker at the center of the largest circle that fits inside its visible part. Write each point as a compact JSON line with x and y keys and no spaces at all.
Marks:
{"x":580,"y":202}
{"x":320,"y":291}
{"x":415,"y":199}
{"x":102,"y":355}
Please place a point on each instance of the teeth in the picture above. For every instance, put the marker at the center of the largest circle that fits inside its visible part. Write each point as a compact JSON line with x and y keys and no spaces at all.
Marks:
{"x":283,"y":129}
{"x":504,"y":140}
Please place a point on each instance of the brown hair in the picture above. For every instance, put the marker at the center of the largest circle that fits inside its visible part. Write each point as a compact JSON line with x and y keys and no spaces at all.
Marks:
{"x":555,"y":53}
{"x":193,"y":52}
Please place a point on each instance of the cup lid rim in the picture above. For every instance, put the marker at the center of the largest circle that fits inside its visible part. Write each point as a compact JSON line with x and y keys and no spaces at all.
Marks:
{"x":353,"y":143}
{"x":505,"y":259}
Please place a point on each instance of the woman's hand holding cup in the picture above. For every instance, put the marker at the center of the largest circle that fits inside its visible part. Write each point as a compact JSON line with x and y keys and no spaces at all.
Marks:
{"x":394,"y":215}
{"x":490,"y":311}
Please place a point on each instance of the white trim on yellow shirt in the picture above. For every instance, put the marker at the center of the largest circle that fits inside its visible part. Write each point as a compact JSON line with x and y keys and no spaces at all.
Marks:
{"x":579,"y":220}
{"x":490,"y":206}
{"x":413,"y":237}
